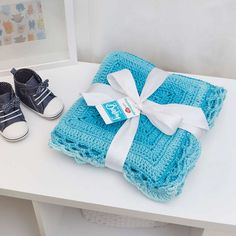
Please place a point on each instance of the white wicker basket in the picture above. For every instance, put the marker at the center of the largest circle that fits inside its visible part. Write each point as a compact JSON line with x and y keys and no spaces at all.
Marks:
{"x":113,"y":220}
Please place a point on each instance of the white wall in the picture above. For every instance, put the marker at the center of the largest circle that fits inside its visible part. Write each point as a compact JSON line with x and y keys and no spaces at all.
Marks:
{"x":194,"y":36}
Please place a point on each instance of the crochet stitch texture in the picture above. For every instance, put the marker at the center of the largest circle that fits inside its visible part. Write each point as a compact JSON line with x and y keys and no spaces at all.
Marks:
{"x":157,"y":164}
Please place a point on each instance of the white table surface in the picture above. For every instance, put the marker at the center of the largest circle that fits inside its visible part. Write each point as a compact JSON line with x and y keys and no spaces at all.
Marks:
{"x":30,"y":169}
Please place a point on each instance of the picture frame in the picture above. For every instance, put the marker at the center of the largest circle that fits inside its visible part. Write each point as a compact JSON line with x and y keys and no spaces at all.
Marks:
{"x":70,"y":29}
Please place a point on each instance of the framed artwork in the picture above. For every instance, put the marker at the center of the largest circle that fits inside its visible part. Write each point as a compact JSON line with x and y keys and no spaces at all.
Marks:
{"x":37,"y":33}
{"x":21,"y":22}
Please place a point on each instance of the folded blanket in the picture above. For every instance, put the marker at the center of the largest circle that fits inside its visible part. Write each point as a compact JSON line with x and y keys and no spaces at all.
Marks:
{"x":157,"y":164}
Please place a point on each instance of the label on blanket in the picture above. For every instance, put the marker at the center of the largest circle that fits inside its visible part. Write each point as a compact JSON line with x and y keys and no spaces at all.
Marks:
{"x":117,"y":110}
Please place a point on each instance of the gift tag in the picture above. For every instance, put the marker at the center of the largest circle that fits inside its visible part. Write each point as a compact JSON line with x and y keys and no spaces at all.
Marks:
{"x":117,"y":110}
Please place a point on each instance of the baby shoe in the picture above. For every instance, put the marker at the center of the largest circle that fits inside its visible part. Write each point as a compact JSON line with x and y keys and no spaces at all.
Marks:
{"x":35,"y":94}
{"x":13,"y":126}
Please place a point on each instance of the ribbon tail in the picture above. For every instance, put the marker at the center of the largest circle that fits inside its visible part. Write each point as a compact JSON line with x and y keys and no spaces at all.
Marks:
{"x":196,"y":131}
{"x":121,"y":144}
{"x":169,"y":117}
{"x":166,"y":121}
{"x":193,"y":116}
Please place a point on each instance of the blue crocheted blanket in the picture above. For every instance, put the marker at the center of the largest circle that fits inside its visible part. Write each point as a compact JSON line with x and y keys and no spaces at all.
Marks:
{"x":157,"y":164}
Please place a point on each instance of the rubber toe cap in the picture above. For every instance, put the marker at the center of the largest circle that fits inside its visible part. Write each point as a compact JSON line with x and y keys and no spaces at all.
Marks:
{"x":16,"y":131}
{"x":54,"y":108}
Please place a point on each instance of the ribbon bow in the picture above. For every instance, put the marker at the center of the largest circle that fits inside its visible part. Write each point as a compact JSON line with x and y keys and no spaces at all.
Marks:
{"x":166,"y":117}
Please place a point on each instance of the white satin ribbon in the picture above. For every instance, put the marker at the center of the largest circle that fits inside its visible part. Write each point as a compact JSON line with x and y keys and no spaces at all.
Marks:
{"x":168,"y":117}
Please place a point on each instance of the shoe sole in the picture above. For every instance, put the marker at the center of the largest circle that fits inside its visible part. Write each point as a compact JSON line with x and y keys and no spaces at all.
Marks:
{"x":46,"y":117}
{"x":15,"y":140}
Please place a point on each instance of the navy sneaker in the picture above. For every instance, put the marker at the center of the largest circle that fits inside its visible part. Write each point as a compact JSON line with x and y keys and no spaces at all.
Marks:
{"x":35,"y":94}
{"x":13,"y":126}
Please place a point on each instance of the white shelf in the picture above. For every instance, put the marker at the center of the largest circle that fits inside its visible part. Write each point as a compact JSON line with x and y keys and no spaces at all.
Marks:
{"x":62,"y":221}
{"x":17,"y":218}
{"x":31,"y":170}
